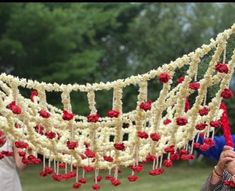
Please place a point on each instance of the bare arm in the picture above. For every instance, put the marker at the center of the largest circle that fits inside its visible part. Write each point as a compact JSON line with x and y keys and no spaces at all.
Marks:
{"x":18,"y":160}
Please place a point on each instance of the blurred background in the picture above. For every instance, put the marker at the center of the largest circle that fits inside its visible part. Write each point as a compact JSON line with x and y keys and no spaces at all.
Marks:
{"x":93,"y":42}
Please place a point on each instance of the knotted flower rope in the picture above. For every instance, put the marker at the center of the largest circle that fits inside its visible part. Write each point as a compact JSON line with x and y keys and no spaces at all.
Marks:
{"x":159,"y":131}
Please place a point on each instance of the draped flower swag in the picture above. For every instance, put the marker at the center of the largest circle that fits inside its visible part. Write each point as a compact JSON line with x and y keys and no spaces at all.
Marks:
{"x":159,"y":131}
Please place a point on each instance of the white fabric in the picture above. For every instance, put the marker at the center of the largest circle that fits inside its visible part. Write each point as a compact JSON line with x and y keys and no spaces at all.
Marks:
{"x":9,"y":179}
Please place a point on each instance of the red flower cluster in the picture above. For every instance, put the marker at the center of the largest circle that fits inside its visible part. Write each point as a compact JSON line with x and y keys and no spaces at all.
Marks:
{"x":30,"y":160}
{"x":181,"y":121}
{"x":166,"y":121}
{"x":89,"y":153}
{"x":170,"y":149}
{"x":72,"y":144}
{"x":150,"y":158}
{"x":142,"y":134}
{"x":82,"y":180}
{"x":222,"y":68}
{"x":115,"y":182}
{"x":157,"y":171}
{"x":187,"y":157}
{"x":174,"y":156}
{"x":93,"y":117}
{"x":96,"y":187}
{"x":43,"y":113}
{"x":33,"y":94}
{"x":14,"y":108}
{"x":215,"y":124}
{"x":46,"y":171}
{"x":67,"y":115}
{"x":203,"y":111}
{"x":229,"y":183}
{"x":137,"y":168}
{"x":50,"y":135}
{"x":88,"y":168}
{"x":132,"y":178}
{"x":155,"y":136}
{"x":108,"y":158}
{"x":146,"y":105}
{"x":226,"y":93}
{"x":168,"y":163}
{"x":164,"y":77}
{"x":21,"y":145}
{"x":201,"y":126}
{"x":194,"y":85}
{"x":180,"y":79}
{"x":119,"y":146}
{"x":113,"y":113}
{"x":204,"y":147}
{"x":76,"y":185}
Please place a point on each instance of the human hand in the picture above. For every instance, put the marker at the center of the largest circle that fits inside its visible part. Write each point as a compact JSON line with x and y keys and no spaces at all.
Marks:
{"x":226,"y":156}
{"x":230,"y":167}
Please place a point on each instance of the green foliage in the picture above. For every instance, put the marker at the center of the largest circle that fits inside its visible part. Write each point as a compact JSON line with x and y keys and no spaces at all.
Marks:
{"x":92,"y":42}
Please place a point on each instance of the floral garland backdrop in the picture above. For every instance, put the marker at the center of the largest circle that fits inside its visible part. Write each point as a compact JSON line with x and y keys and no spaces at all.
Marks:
{"x":158,"y":131}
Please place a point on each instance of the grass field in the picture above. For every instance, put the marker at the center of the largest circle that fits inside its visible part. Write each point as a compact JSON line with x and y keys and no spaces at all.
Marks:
{"x":181,"y":177}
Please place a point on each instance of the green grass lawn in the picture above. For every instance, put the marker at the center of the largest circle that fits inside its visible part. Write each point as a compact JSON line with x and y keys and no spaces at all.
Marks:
{"x":181,"y":177}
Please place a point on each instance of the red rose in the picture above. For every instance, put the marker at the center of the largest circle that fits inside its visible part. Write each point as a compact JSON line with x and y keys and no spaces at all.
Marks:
{"x":72,"y":144}
{"x":203,"y":111}
{"x":174,"y":156}
{"x":96,"y":187}
{"x":215,"y":124}
{"x":89,"y":153}
{"x":21,"y":153}
{"x":155,"y":136}
{"x":142,"y":135}
{"x":170,"y":149}
{"x":98,"y":178}
{"x":194,"y":85}
{"x":109,"y":177}
{"x":108,"y":158}
{"x":150,"y":158}
{"x":48,"y":170}
{"x":168,"y":163}
{"x":146,"y":105}
{"x":115,"y":182}
{"x":113,"y":113}
{"x":187,"y":157}
{"x":204,"y":147}
{"x":76,"y":185}
{"x":62,"y":165}
{"x":201,"y":126}
{"x":50,"y":135}
{"x":196,"y":145}
{"x":43,"y":173}
{"x":137,"y":168}
{"x":132,"y":178}
{"x":180,"y":79}
{"x":14,"y":108}
{"x":166,"y":121}
{"x":21,"y":145}
{"x":119,"y":146}
{"x":222,"y":68}
{"x":164,"y":77}
{"x":183,"y":152}
{"x":44,"y":113}
{"x":33,"y":94}
{"x":181,"y":121}
{"x":67,"y":115}
{"x":88,"y":168}
{"x":227,"y":93}
{"x":209,"y":142}
{"x":93,"y":118}
{"x":157,"y":171}
{"x":82,"y":180}
{"x":57,"y":177}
